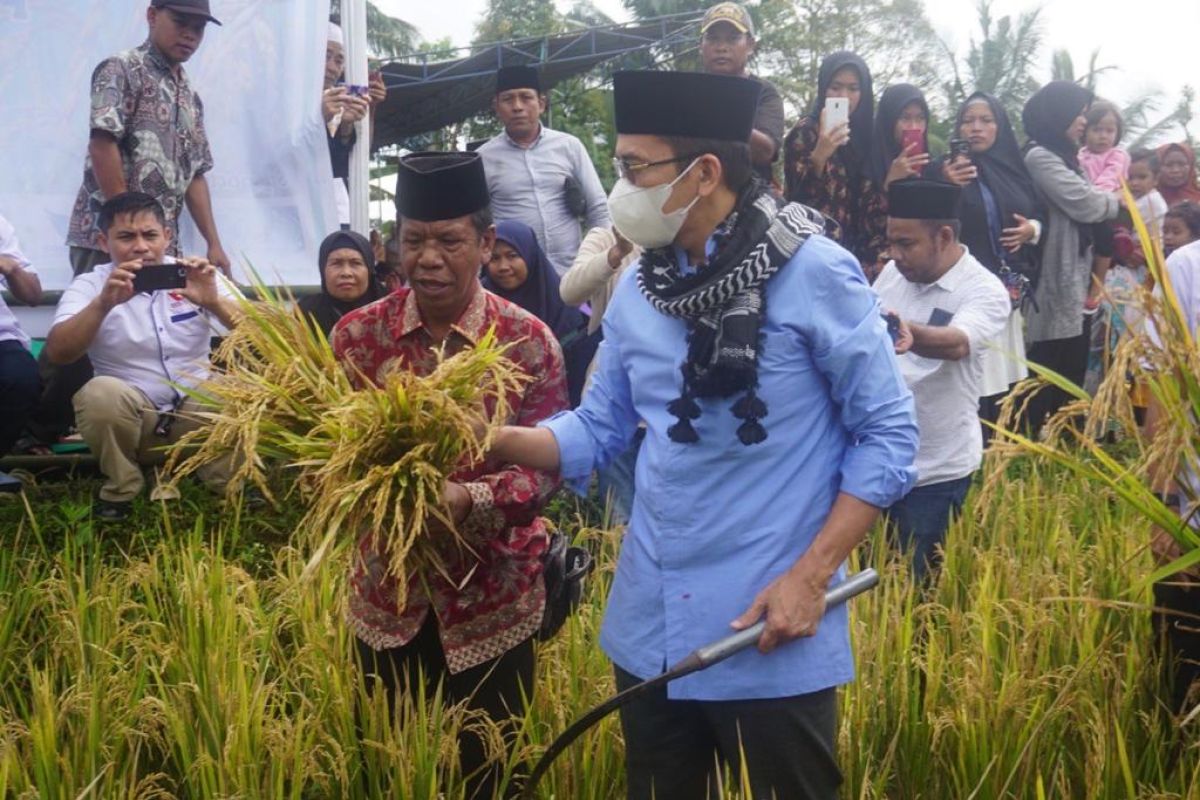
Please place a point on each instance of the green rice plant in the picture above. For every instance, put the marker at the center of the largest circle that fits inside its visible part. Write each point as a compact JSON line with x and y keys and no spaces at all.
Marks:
{"x":172,"y":670}
{"x":363,"y":458}
{"x":1163,"y":357}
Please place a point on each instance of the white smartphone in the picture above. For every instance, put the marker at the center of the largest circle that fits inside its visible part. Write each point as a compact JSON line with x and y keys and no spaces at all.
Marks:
{"x":837,"y":112}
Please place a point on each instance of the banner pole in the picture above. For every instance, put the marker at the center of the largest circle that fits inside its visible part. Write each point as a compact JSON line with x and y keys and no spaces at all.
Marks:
{"x":354,"y":28}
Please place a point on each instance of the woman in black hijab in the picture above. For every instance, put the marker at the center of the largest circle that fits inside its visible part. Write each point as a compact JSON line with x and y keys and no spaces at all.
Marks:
{"x":1057,"y":330}
{"x":901,"y":108}
{"x":1002,"y":220}
{"x":520,"y":273}
{"x":348,"y":279}
{"x":902,"y":112}
{"x":827,"y":170}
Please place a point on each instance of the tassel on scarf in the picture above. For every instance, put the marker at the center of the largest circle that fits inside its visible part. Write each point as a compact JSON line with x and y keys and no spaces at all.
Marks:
{"x":750,"y":408}
{"x":682,"y":432}
{"x":684,"y":408}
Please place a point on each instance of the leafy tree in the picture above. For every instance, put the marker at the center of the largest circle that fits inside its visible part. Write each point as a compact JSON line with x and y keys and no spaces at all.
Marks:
{"x":517,"y":19}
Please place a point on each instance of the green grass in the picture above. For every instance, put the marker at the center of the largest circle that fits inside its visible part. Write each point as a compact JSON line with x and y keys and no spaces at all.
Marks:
{"x":181,"y":654}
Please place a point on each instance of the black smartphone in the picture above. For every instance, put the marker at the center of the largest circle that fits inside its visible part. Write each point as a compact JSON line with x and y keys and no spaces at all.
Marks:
{"x":159,"y":277}
{"x":893,"y":326}
{"x":960,"y":147}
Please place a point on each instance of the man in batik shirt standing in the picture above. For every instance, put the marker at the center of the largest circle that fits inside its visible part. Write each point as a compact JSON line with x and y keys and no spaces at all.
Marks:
{"x":147,"y":134}
{"x":475,"y":631}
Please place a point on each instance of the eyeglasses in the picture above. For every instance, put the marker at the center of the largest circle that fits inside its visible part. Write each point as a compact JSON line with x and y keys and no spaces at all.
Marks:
{"x":628,"y":169}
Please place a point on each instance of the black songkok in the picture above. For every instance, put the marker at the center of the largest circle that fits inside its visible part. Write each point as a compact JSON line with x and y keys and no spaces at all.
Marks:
{"x":690,"y":104}
{"x":439,"y":186}
{"x":519,"y":77}
{"x":917,"y":198}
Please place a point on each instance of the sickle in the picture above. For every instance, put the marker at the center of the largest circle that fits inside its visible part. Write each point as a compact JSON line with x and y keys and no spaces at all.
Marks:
{"x":698,"y":659}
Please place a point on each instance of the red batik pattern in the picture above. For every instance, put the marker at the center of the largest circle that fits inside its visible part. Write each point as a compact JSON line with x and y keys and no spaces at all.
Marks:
{"x":495,"y":596}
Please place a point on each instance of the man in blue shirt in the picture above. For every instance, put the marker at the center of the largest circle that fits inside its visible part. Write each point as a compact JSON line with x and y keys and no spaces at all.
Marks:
{"x":777,"y":427}
{"x":538,"y":176}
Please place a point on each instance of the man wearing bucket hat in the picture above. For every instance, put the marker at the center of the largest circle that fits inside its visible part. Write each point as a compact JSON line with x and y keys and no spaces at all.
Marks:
{"x":777,"y":427}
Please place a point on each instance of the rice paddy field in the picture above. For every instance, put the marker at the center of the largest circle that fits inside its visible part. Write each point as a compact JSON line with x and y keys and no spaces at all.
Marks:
{"x":185,"y":654}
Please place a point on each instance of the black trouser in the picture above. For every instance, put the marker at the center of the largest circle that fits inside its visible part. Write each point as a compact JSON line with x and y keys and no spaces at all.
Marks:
{"x":498,"y":688}
{"x":55,"y":412}
{"x":1178,"y":638}
{"x":19,"y":391}
{"x":674,"y":748}
{"x":1067,"y":357}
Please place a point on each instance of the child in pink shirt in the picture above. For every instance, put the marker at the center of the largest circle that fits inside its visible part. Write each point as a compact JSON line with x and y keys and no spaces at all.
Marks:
{"x":1106,"y":166}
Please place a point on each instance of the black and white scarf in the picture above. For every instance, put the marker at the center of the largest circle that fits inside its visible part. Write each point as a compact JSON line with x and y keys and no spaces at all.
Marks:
{"x":722,"y":304}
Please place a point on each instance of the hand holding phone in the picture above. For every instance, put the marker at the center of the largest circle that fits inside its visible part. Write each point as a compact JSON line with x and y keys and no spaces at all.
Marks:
{"x":893,"y":325}
{"x":837,"y":112}
{"x":960,"y":148}
{"x":160,"y":277}
{"x":912,"y":141}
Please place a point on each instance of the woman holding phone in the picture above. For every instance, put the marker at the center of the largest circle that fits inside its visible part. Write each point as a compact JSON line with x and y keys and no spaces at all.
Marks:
{"x":899,"y":150}
{"x":1002,"y":219}
{"x":825,"y":154}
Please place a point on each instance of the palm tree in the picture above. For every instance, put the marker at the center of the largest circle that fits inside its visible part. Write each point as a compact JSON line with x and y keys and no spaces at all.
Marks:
{"x":387,"y":37}
{"x":1000,"y":63}
{"x":1142,"y":129}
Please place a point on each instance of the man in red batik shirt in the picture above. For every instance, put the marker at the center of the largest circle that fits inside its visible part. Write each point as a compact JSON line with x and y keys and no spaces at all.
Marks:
{"x":474,"y":633}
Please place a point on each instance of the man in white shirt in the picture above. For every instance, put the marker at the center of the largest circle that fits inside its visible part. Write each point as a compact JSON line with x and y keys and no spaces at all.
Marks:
{"x":19,"y":384}
{"x":944,"y":305}
{"x":541,"y":177}
{"x":143,"y":346}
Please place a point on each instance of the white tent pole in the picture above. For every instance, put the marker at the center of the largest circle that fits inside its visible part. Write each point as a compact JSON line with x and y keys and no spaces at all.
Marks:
{"x":354,"y":28}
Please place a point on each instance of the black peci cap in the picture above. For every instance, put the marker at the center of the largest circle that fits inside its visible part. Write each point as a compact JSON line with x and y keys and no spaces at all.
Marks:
{"x":917,"y":198}
{"x":692,"y":104}
{"x":440,"y":186}
{"x":519,"y":77}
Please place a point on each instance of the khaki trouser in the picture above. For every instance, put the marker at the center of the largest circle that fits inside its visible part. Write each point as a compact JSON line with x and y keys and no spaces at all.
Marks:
{"x":117,"y":422}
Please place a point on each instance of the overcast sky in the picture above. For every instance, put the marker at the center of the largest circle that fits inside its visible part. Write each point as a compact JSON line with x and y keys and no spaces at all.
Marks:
{"x":1155,"y":49}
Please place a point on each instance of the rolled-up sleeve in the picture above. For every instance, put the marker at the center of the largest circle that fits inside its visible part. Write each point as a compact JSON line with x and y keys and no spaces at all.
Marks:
{"x":605,"y":423}
{"x":852,"y":350}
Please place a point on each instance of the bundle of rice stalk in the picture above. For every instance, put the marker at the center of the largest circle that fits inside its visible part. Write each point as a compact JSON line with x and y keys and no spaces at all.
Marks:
{"x":1160,"y":356}
{"x":361,"y":459}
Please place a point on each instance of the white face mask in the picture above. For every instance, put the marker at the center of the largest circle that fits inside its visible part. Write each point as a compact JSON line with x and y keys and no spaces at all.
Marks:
{"x":638,"y":212}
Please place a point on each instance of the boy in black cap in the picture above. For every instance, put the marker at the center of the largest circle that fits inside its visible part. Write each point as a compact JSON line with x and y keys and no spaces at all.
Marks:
{"x":538,"y":176}
{"x":472,"y":629}
{"x":726,"y":45}
{"x":949,"y":308}
{"x":776,"y":425}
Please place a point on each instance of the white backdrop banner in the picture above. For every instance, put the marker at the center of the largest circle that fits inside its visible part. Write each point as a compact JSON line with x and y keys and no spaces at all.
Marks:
{"x":260,"y":77}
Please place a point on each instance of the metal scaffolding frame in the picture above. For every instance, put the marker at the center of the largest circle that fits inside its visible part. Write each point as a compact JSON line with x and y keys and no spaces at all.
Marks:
{"x":426,"y":95}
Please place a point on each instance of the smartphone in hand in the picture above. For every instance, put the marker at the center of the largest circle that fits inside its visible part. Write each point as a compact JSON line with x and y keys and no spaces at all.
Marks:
{"x":909,"y":137}
{"x":160,"y":277}
{"x":893,"y":326}
{"x":960,"y":148}
{"x":837,"y":112}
